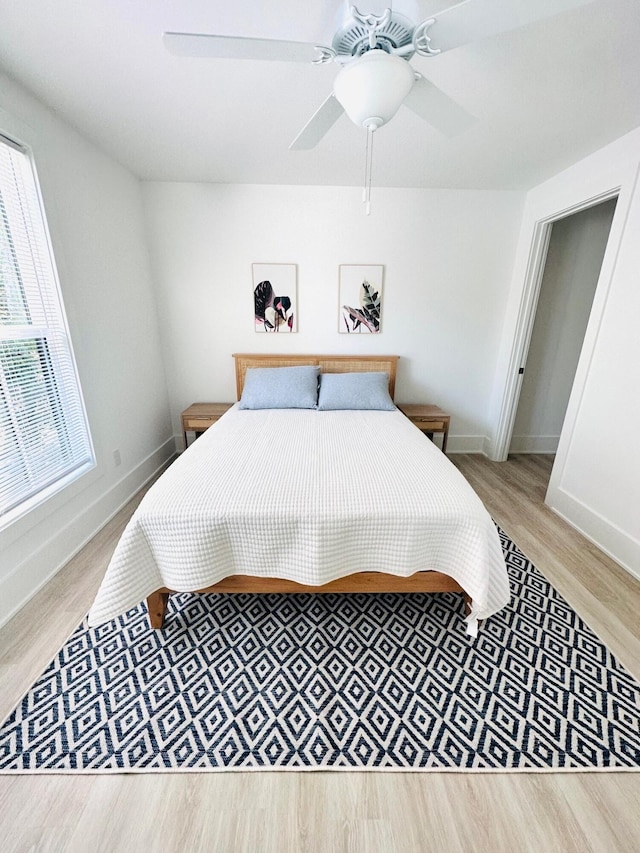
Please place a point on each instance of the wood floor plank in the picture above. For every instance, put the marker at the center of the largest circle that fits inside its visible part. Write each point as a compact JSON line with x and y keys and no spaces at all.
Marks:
{"x":335,"y":811}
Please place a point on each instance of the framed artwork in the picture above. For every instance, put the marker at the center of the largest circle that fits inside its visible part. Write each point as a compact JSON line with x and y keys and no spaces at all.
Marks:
{"x":275,"y":297}
{"x":360,"y":287}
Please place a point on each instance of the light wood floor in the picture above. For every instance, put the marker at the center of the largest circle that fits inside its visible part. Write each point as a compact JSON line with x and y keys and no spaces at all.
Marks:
{"x":330,"y":811}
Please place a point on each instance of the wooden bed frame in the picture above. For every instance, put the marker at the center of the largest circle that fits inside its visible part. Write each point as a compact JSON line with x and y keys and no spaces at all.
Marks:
{"x":378,"y":582}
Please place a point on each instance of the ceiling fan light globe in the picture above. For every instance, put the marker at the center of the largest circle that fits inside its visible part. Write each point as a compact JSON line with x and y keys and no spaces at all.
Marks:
{"x":373,"y":87}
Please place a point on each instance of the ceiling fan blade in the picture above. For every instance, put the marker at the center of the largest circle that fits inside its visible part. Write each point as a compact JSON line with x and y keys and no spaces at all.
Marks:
{"x":437,"y":108}
{"x":473,"y":20}
{"x":320,"y":123}
{"x":234,"y":47}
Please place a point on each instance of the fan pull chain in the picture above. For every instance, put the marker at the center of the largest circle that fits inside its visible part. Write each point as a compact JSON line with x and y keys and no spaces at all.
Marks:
{"x":368,"y":168}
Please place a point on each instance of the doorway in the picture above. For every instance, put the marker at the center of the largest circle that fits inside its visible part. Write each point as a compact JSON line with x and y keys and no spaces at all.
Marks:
{"x":576,"y":247}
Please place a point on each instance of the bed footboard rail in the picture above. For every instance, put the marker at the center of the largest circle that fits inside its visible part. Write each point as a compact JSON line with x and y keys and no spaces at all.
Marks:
{"x":371,"y":582}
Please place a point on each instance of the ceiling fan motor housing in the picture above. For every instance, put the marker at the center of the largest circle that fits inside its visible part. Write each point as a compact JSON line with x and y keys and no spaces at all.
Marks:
{"x":352,"y":37}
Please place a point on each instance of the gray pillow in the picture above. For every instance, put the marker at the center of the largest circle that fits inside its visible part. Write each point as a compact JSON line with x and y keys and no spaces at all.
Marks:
{"x":280,"y":388}
{"x":355,"y":391}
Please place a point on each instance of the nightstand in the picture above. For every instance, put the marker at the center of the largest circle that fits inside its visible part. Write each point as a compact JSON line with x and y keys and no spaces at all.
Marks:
{"x":429,"y":419}
{"x":200,"y":416}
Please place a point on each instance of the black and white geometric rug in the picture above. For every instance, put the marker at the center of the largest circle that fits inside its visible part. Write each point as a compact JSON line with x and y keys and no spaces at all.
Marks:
{"x":333,"y":682}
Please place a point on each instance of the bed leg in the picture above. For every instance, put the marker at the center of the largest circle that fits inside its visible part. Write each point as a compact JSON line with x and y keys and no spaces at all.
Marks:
{"x":467,"y":603}
{"x":157,"y":606}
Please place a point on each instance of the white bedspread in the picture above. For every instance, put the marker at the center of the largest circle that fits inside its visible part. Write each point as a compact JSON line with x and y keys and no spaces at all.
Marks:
{"x":308,"y":496}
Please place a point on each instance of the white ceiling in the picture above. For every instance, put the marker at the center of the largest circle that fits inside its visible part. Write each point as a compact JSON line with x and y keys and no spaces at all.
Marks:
{"x":545,"y":95}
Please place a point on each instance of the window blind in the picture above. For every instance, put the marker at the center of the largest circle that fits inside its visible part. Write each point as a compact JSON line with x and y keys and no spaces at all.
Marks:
{"x":44,"y":436}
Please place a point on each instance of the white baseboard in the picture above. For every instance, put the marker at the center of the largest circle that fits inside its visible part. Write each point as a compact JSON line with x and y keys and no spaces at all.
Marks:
{"x":534,"y":444}
{"x":463,"y":443}
{"x":616,"y":543}
{"x":28,"y":578}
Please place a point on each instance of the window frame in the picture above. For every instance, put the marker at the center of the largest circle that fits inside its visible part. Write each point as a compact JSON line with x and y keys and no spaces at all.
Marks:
{"x":52,"y":386}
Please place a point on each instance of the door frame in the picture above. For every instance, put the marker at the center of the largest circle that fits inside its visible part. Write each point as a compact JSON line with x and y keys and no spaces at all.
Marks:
{"x":534,"y":273}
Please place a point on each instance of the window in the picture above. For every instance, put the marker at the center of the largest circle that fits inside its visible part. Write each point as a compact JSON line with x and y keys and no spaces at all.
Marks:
{"x":44,"y":437}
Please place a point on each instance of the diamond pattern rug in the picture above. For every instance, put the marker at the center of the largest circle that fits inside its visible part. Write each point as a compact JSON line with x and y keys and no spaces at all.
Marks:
{"x":309,"y":682}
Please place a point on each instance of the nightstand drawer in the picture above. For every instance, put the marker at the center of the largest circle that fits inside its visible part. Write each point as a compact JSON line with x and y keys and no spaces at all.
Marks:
{"x":199,"y":423}
{"x":428,"y":424}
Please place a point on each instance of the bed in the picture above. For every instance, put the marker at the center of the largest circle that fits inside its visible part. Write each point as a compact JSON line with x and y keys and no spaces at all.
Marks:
{"x":302,"y":500}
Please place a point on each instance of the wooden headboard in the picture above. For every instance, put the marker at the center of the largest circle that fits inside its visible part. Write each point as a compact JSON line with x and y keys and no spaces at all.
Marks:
{"x":327,"y":363}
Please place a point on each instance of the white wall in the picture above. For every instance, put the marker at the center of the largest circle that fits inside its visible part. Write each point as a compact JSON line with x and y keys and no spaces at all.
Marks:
{"x":94,"y":213}
{"x":571,"y":272}
{"x":596,"y":478}
{"x":447,"y":256}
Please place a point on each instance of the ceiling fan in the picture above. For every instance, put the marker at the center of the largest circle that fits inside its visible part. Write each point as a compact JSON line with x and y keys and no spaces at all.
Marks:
{"x":374,"y":52}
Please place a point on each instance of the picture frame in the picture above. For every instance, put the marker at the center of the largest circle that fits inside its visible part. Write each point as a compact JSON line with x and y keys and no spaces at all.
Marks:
{"x":275,"y":297}
{"x":360,"y":298}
